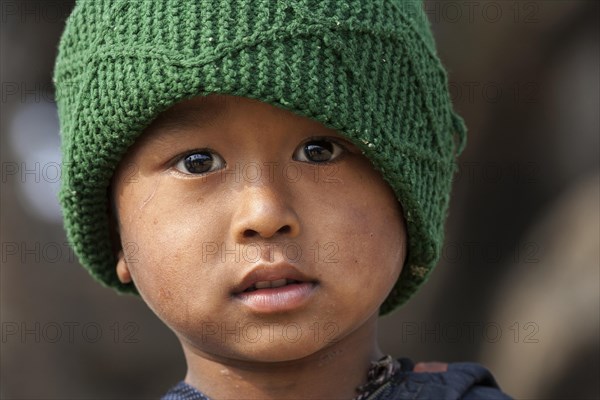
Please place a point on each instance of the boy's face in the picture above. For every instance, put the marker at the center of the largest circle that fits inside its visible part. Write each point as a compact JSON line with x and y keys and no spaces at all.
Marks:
{"x":223,"y":197}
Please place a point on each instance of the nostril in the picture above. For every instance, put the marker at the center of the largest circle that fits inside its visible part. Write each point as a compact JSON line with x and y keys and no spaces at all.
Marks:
{"x":284,"y":229}
{"x":248,"y":233}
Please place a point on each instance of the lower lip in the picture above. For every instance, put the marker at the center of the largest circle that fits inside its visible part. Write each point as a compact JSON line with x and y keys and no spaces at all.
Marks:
{"x":272,"y":300}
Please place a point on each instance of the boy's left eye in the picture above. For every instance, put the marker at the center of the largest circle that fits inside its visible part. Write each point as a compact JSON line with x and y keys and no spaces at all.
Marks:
{"x":318,"y":151}
{"x":200,"y":162}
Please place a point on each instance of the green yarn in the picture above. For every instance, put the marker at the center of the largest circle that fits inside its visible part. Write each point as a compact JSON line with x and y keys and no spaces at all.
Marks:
{"x":366,"y":68}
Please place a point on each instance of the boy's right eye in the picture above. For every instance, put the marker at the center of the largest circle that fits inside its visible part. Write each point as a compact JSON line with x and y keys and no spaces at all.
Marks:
{"x":200,"y":162}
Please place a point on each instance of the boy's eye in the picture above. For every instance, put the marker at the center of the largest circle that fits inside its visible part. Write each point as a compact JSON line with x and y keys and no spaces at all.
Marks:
{"x":318,"y":151}
{"x":200,"y":162}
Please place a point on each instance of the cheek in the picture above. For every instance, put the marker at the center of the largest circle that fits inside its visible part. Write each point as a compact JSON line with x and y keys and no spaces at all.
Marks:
{"x":169,"y":237}
{"x":364,"y":223}
{"x":373,"y":250}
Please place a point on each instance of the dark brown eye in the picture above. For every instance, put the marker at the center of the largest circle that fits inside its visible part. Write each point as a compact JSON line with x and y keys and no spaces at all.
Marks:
{"x":200,"y":162}
{"x":318,"y":151}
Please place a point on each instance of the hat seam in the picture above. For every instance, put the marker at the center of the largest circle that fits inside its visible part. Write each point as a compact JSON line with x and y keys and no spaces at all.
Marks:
{"x":217,"y":51}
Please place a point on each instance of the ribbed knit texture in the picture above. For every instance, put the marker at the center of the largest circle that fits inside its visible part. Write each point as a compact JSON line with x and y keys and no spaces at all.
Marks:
{"x":366,"y":68}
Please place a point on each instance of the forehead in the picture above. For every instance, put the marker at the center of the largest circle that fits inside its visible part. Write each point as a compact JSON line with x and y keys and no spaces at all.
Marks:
{"x":206,"y":112}
{"x":196,"y":112}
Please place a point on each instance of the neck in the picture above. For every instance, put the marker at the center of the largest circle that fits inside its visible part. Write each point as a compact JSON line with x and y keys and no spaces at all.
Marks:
{"x":333,"y":372}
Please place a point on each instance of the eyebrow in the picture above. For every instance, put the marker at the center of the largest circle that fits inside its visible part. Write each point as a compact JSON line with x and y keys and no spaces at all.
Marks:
{"x":183,"y":117}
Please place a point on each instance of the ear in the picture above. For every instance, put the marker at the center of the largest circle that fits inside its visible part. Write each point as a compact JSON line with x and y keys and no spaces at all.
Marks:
{"x":122,"y":268}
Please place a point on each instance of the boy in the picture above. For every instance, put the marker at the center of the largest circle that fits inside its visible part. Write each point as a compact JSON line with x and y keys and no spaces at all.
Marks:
{"x":269,"y":176}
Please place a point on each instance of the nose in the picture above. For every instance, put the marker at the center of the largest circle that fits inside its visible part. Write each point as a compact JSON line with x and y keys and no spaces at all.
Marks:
{"x":263,"y":212}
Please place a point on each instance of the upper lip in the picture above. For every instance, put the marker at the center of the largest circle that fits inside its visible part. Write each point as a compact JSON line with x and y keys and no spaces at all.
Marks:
{"x":270,"y":272}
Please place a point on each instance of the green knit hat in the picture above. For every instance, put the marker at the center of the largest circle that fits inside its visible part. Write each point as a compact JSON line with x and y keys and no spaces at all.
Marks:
{"x":367,"y":68}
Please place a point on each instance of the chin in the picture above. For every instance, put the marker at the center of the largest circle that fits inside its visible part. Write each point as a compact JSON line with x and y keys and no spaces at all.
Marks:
{"x":257,"y":342}
{"x":278,"y":351}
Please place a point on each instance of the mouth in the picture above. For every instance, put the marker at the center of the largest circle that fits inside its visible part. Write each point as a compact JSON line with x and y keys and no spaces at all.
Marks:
{"x":271,"y":284}
{"x":274,"y":288}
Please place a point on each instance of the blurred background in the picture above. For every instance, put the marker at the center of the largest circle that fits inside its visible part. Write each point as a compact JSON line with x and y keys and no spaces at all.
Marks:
{"x":518,"y":285}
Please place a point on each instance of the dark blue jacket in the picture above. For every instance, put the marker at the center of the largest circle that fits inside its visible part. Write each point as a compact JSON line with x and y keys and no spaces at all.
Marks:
{"x":466,"y":381}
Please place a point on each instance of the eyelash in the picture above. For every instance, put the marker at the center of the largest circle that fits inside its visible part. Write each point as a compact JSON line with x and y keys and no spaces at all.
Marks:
{"x":180,"y":159}
{"x":338,"y":151}
{"x":341,"y":149}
